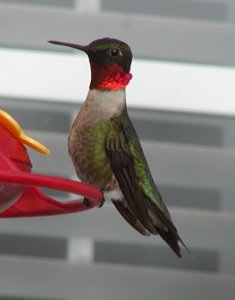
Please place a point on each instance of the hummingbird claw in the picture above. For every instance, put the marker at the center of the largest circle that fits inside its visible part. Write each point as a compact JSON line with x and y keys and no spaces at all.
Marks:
{"x":86,"y":202}
{"x":101,"y":202}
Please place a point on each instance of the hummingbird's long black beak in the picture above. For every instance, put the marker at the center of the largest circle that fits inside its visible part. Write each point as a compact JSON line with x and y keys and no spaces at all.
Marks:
{"x":72,"y":45}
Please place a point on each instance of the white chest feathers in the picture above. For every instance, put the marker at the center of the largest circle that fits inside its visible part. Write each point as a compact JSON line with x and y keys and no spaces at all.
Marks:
{"x":103,"y":104}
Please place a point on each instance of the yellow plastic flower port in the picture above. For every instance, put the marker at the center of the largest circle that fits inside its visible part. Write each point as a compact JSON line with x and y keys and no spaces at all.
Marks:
{"x":14,"y":128}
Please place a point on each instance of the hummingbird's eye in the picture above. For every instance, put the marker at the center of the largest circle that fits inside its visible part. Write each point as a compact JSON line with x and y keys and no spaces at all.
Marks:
{"x":114,"y":52}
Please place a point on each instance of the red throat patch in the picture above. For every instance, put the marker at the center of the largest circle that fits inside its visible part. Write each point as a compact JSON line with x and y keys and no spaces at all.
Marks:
{"x":111,"y":77}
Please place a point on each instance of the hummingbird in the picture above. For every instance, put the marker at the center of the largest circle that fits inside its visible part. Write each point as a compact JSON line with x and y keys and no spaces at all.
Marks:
{"x":105,"y":148}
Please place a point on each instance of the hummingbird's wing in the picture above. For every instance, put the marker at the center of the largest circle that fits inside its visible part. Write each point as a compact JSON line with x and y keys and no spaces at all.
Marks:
{"x":142,"y":206}
{"x":130,"y":217}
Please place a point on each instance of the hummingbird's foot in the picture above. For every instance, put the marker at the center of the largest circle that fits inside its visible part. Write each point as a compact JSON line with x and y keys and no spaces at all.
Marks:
{"x":101,"y":202}
{"x":86,"y":202}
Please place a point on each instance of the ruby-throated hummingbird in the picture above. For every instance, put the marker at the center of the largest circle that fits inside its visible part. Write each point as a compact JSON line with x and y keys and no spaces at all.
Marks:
{"x":105,"y":148}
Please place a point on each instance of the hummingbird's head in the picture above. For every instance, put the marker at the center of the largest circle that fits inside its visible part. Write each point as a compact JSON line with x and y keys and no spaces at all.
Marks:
{"x":110,"y":61}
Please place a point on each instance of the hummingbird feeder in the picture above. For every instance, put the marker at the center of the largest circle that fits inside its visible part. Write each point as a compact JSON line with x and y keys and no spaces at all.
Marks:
{"x":20,"y":195}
